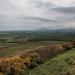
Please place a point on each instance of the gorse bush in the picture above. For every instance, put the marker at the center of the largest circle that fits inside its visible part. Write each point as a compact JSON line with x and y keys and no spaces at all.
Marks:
{"x":21,"y":64}
{"x":10,"y":66}
{"x":67,"y":45}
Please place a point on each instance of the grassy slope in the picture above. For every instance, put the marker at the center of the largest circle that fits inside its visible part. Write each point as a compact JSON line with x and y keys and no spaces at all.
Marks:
{"x":56,"y":66}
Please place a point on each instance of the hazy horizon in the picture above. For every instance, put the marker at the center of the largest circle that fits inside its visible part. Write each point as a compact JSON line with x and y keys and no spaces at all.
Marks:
{"x":36,"y":14}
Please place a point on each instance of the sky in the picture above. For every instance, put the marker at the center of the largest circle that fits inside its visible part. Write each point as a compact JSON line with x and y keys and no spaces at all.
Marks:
{"x":36,"y":14}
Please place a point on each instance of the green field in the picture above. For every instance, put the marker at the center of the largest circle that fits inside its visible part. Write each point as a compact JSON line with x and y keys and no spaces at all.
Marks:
{"x":60,"y":65}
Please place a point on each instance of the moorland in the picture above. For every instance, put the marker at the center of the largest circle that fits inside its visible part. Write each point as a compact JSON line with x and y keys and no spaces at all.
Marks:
{"x":37,"y":52}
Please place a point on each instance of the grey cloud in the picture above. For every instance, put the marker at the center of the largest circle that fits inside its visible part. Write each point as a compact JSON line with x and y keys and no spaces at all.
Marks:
{"x":40,"y":4}
{"x":38,"y":19}
{"x":30,"y":14}
{"x":65,"y":10}
{"x":20,"y":23}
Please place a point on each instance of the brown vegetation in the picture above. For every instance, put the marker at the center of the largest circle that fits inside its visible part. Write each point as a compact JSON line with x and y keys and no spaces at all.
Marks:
{"x":67,"y":45}
{"x":19,"y":64}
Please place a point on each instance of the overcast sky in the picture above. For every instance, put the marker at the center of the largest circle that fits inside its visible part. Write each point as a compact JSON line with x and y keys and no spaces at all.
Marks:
{"x":34,"y":14}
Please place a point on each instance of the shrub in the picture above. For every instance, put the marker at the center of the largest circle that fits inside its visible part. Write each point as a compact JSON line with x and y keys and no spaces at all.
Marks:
{"x":10,"y":66}
{"x":31,"y":60}
{"x":73,"y":43}
{"x":67,"y":45}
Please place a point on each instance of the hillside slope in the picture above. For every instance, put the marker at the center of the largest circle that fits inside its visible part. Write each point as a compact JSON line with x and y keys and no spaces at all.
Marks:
{"x":26,"y":63}
{"x":61,"y":65}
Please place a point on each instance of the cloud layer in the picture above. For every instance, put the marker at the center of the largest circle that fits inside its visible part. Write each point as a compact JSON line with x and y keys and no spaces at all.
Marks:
{"x":33,"y":14}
